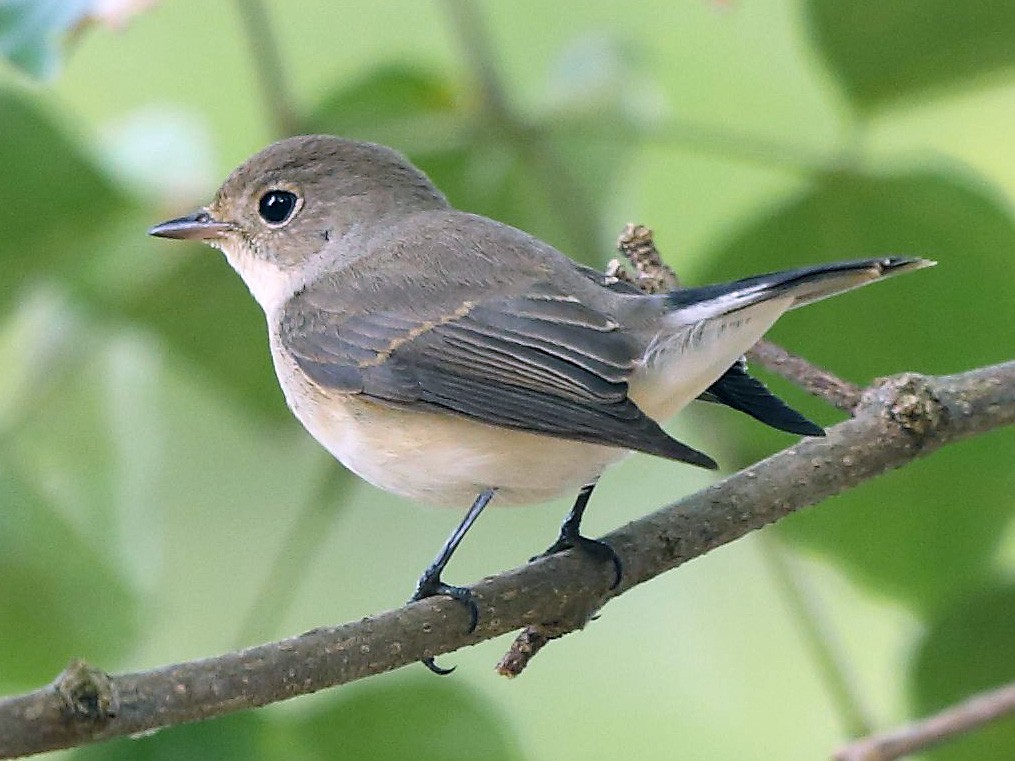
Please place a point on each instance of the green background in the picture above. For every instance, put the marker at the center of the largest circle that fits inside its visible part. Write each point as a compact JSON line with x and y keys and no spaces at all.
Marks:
{"x":158,"y":504}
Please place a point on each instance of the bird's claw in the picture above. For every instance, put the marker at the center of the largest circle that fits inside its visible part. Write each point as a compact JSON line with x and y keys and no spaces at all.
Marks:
{"x":595,"y":548}
{"x":434,"y":587}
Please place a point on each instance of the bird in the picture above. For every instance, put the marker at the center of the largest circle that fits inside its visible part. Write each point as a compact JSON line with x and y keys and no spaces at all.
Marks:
{"x":456,"y":360}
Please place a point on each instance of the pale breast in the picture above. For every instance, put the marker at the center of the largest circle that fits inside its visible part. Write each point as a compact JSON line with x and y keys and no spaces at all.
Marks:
{"x":444,"y":459}
{"x":436,"y":458}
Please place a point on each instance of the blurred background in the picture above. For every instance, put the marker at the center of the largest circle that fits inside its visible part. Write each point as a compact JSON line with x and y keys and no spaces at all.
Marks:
{"x":158,"y":503}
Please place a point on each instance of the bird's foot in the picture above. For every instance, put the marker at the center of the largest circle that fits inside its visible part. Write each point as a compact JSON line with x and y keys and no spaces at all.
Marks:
{"x":595,"y":548}
{"x":430,"y":585}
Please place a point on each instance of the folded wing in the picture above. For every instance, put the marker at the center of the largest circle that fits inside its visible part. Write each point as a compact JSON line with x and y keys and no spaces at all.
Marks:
{"x":540,"y":362}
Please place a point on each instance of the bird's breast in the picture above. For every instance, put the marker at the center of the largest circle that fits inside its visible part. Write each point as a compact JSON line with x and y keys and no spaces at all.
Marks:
{"x":438,"y":458}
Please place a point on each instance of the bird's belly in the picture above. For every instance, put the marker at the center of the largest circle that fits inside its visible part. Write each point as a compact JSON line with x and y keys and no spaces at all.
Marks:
{"x":444,"y":459}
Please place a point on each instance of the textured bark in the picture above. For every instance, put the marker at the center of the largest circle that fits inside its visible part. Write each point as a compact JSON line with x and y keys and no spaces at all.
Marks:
{"x":899,"y":420}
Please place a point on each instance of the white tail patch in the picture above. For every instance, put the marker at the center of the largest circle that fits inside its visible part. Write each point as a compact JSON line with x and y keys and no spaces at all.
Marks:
{"x":685,"y":358}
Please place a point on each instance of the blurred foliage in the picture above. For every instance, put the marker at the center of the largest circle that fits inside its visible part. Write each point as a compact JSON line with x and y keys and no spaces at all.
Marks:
{"x":149,"y":470}
{"x":235,"y":355}
{"x":886,"y":50}
{"x":32,"y":32}
{"x":417,"y":718}
{"x":969,"y":648}
{"x":64,"y":201}
{"x":239,"y":737}
{"x":59,"y":594}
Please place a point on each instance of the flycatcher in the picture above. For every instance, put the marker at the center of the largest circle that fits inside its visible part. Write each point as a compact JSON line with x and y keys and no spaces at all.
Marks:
{"x":455,"y":360}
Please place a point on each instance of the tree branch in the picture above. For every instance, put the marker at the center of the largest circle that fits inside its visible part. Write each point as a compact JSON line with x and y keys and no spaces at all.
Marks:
{"x":920,"y":735}
{"x":899,"y":420}
{"x":810,"y":378}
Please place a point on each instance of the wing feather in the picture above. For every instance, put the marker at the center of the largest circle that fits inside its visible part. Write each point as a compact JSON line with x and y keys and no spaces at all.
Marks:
{"x":541,"y":362}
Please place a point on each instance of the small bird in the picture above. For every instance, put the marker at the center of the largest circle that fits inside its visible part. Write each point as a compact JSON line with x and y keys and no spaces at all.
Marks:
{"x":455,"y":360}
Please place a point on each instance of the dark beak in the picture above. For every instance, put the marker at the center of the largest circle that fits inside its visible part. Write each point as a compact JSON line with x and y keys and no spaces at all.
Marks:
{"x":197,"y":226}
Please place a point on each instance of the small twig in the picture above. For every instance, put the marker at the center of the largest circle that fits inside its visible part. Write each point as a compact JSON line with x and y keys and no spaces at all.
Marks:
{"x":956,"y":720}
{"x":267,"y":62}
{"x":478,"y":50}
{"x":813,"y":379}
{"x":651,"y":273}
{"x":530,"y":641}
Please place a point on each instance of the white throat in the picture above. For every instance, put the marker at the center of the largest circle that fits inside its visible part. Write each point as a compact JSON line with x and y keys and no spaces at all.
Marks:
{"x":271,"y":285}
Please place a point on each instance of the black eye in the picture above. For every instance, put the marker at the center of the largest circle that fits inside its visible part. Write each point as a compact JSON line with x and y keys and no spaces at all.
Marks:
{"x":276,"y":206}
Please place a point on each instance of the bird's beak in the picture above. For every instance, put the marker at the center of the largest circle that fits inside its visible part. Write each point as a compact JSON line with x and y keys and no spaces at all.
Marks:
{"x":197,"y":226}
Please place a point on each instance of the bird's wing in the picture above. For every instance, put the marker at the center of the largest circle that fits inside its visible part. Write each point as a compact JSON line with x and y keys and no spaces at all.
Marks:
{"x":539,"y":360}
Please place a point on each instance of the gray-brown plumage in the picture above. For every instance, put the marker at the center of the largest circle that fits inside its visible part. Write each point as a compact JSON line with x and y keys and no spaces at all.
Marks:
{"x":442,"y":355}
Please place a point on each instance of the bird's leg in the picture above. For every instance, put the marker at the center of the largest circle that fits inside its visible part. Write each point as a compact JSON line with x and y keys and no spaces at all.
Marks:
{"x":570,"y":536}
{"x":430,"y":584}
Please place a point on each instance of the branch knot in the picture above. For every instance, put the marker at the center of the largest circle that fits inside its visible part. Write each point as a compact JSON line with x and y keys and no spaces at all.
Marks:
{"x":909,"y":400}
{"x":87,"y":693}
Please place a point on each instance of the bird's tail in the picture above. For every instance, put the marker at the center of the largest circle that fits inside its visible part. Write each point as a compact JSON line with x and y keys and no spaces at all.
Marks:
{"x":804,"y":285}
{"x":706,"y":330}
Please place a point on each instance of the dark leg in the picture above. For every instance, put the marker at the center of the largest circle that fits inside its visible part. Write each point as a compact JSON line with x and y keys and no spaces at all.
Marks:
{"x":430,"y":584}
{"x":570,"y":536}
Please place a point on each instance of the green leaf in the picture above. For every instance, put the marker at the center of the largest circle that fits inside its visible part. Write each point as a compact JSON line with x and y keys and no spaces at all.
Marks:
{"x":925,"y":533}
{"x":60,"y":598}
{"x":64,"y":202}
{"x":42,"y":345}
{"x":968,"y":649}
{"x":31,"y":32}
{"x":418,"y":718}
{"x":885,"y":50}
{"x":232,"y":738}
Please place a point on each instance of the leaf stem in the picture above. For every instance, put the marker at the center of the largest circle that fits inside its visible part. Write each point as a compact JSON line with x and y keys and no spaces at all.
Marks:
{"x":533,"y":144}
{"x":829,"y":660}
{"x":478,"y":50}
{"x":267,"y":61}
{"x":297,"y":551}
{"x":950,"y":723}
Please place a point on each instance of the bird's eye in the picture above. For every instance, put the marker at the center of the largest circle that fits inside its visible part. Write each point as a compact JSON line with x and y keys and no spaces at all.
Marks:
{"x":276,"y":207}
